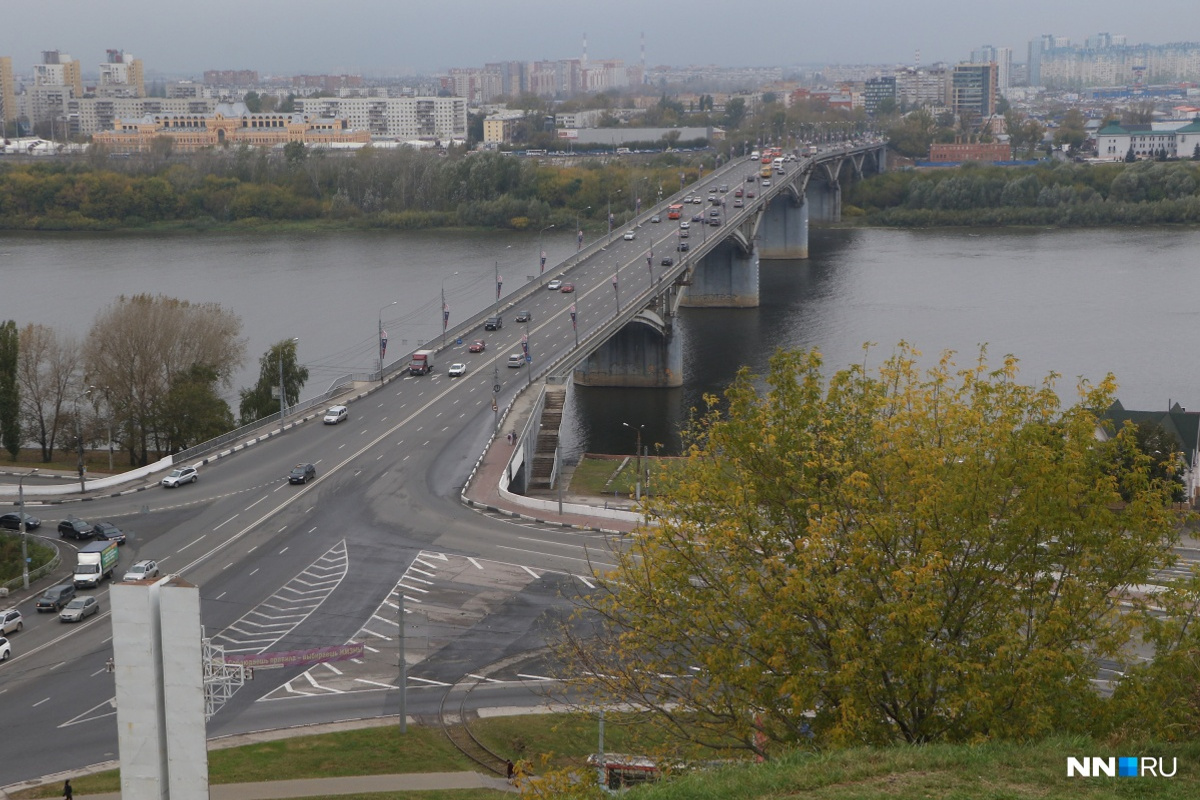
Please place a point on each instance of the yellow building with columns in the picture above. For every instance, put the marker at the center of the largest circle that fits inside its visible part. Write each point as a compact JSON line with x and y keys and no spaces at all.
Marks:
{"x":228,"y":125}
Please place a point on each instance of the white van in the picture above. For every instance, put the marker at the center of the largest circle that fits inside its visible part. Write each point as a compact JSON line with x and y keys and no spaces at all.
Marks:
{"x":336,"y":414}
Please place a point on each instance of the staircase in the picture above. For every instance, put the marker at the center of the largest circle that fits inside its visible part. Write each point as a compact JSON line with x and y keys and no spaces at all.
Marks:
{"x":547,"y":438}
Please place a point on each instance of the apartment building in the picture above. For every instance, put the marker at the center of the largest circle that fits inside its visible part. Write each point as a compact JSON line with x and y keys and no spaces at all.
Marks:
{"x":8,"y":93}
{"x":426,"y":118}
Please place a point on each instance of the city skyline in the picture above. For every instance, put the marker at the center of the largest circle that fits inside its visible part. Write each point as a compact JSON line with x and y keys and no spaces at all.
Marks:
{"x":382,"y":38}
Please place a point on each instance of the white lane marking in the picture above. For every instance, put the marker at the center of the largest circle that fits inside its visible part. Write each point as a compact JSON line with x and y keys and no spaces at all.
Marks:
{"x":226,"y":522}
{"x":192,"y":542}
{"x":340,"y":446}
{"x":531,"y":572}
{"x":474,"y":563}
{"x":534,"y":677}
{"x":256,"y":502}
{"x":255,"y":570}
{"x":39,"y":702}
{"x":375,"y":683}
{"x":586,"y":582}
{"x":222,"y":594}
{"x":427,"y":680}
{"x":555,"y":555}
{"x":280,"y":486}
{"x":284,"y":550}
{"x":227,"y":566}
{"x":97,"y":672}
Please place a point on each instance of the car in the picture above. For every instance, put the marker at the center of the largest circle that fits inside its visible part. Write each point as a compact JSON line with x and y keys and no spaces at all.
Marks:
{"x":5,"y":649}
{"x":716,"y":212}
{"x":682,"y":247}
{"x":516,"y":361}
{"x":10,"y":620}
{"x":457,"y":370}
{"x":630,"y":236}
{"x":713,"y":190}
{"x":667,"y":261}
{"x":751,"y":178}
{"x":684,"y":234}
{"x":715,"y":221}
{"x":739,"y":192}
{"x":766,"y":182}
{"x":683,"y":226}
{"x":567,"y":288}
{"x":554,"y":285}
{"x":79,"y":608}
{"x":141,"y":570}
{"x":12,"y":521}
{"x":656,"y":219}
{"x":738,"y":203}
{"x":108,"y":532}
{"x":697,"y":218}
{"x":524,"y":316}
{"x":180,"y":476}
{"x":75,"y":528}
{"x":749,"y":194}
{"x":302,"y":473}
{"x":493,"y":323}
{"x":724,"y":187}
{"x":697,"y":200}
{"x":336,"y":414}
{"x":56,"y":597}
{"x":477,"y":346}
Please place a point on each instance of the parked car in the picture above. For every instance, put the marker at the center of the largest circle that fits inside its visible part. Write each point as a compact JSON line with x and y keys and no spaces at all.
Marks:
{"x":477,"y":346}
{"x":12,"y":521}
{"x":336,"y":414}
{"x":108,"y":532}
{"x":302,"y":473}
{"x":56,"y":597}
{"x":516,"y":361}
{"x":5,"y":649}
{"x":180,"y":476}
{"x":567,"y":288}
{"x":75,"y":528}
{"x":524,"y":316}
{"x":79,"y":608}
{"x":10,"y":620}
{"x":141,"y":570}
{"x":457,"y":370}
{"x":554,"y":285}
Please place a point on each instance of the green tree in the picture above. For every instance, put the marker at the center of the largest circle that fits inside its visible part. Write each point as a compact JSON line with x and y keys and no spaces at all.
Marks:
{"x":253,"y":101}
{"x":1130,"y":157}
{"x":10,"y":388}
{"x":193,"y":410}
{"x":735,"y":112}
{"x":288,"y":106}
{"x":908,"y":555}
{"x":1195,"y":152}
{"x":262,"y":400}
{"x":913,"y":134}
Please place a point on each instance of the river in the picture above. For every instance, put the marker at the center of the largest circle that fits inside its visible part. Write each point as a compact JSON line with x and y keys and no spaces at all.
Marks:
{"x":1080,"y":303}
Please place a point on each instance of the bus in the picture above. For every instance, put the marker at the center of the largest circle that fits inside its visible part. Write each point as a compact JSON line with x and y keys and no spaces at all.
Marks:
{"x":766,"y":170}
{"x":675,"y":211}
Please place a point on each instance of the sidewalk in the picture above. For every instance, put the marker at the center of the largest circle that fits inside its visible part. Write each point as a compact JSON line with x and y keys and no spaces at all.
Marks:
{"x":364,"y":784}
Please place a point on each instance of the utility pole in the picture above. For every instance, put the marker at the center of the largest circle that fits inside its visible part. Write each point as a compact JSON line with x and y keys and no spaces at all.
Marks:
{"x":25,"y":533}
{"x":403,"y":663}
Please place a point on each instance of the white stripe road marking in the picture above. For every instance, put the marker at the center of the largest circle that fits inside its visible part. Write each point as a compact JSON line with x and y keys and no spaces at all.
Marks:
{"x":531,"y":572}
{"x":226,"y":522}
{"x":553,"y":555}
{"x":534,"y":677}
{"x":256,"y":502}
{"x":427,"y":680}
{"x":39,"y":702}
{"x":375,"y":683}
{"x":189,"y":544}
{"x":474,"y":563}
{"x":586,"y":582}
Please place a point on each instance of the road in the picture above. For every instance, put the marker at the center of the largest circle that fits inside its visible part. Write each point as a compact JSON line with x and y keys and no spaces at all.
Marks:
{"x":385,"y":501}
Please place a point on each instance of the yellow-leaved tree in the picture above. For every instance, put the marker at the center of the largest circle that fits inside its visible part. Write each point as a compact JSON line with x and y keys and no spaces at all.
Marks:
{"x":900,"y":554}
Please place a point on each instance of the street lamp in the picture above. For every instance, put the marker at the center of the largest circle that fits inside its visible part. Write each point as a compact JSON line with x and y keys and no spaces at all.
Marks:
{"x":579,"y":231}
{"x":108,"y":402}
{"x":24,"y":532}
{"x":541,"y":252}
{"x":638,"y":484}
{"x":282,"y":392}
{"x":445,"y":315}
{"x":383,"y":341}
{"x":79,"y":439}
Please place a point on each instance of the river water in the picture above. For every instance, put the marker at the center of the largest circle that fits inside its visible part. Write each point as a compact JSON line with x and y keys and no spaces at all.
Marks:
{"x":1080,"y":303}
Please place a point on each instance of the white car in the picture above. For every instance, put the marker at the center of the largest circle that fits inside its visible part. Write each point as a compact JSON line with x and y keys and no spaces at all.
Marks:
{"x":630,"y":236}
{"x":336,"y":414}
{"x":5,"y":649}
{"x":180,"y":476}
{"x":516,"y":361}
{"x":141,"y":570}
{"x":554,"y":285}
{"x":10,"y":620}
{"x":457,"y":370}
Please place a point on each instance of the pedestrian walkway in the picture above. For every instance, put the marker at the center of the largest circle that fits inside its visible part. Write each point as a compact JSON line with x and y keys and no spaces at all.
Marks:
{"x":361,"y":784}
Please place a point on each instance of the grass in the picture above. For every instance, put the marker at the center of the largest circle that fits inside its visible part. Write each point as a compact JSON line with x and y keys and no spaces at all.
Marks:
{"x":96,"y":461}
{"x":604,"y":476}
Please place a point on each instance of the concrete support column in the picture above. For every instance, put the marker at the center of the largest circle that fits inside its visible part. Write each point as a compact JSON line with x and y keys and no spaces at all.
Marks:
{"x":826,"y":201}
{"x":725,"y":278}
{"x":783,"y":232}
{"x":637,"y":356}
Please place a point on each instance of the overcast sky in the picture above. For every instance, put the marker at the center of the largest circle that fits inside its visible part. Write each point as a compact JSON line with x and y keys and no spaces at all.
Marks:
{"x":375,"y":37}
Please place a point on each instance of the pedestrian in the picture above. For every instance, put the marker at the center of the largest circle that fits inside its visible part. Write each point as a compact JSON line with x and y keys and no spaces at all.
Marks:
{"x":68,"y":792}
{"x":511,"y":771}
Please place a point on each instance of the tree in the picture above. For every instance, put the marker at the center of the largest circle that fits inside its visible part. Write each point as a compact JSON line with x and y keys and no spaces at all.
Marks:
{"x":912,"y":135}
{"x":262,"y":400}
{"x":10,"y":389}
{"x":902,"y":556}
{"x":253,"y":101}
{"x":48,"y":366}
{"x":735,"y":112}
{"x":1195,"y":152}
{"x":193,"y":411}
{"x":140,"y":346}
{"x":1130,"y":157}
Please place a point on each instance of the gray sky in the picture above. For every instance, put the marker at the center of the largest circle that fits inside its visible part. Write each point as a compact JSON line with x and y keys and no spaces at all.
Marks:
{"x":402,"y":36}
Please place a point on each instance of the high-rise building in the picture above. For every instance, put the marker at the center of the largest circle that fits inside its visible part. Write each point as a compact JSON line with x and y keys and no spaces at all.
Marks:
{"x":877,"y":90}
{"x":926,"y":86}
{"x":56,"y":81}
{"x":8,"y":94}
{"x":59,"y":69}
{"x":427,"y":118}
{"x":973,"y":91}
{"x":1037,"y":49}
{"x":1002,"y":57}
{"x":121,"y":76}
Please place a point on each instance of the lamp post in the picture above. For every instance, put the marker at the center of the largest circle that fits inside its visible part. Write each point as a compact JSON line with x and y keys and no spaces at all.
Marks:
{"x":541,"y":252}
{"x":282,"y":391}
{"x":382,"y":341}
{"x":79,"y":440}
{"x":638,"y":484}
{"x":445,"y":314}
{"x":579,"y":231}
{"x":24,"y":532}
{"x":108,"y":402}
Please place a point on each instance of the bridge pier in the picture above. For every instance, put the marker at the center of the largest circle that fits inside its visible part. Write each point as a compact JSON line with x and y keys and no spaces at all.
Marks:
{"x":825,"y":197}
{"x":727,"y":277}
{"x":640,"y":355}
{"x":783,"y":232}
